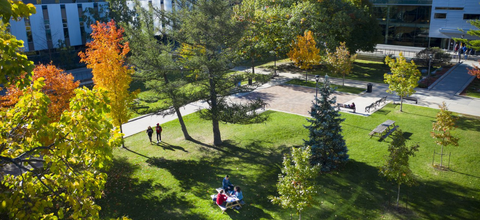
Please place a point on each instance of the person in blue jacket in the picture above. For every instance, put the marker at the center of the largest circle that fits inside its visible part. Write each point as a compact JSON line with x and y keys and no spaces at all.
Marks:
{"x":226,"y":184}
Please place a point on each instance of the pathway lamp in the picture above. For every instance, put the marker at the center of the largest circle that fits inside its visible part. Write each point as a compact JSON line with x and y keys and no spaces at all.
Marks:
{"x":430,"y":56}
{"x":274,"y":62}
{"x":317,"y":77}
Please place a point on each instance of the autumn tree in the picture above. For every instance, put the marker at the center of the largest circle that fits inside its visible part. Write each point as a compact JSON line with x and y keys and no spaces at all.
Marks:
{"x":106,"y":55}
{"x":296,"y":183}
{"x":15,"y":66}
{"x":397,"y":166}
{"x":59,"y":87}
{"x":442,"y":129}
{"x":404,"y":77}
{"x":209,"y":24}
{"x":304,"y":52}
{"x":341,"y":62}
{"x":53,"y":169}
{"x":50,"y":170}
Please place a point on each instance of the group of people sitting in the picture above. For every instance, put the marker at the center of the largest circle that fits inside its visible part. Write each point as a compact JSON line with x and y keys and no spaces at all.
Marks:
{"x":350,"y":106}
{"x":228,"y":190}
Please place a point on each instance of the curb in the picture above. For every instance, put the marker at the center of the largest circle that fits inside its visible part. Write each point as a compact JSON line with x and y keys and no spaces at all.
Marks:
{"x":443,"y":76}
{"x":465,"y":86}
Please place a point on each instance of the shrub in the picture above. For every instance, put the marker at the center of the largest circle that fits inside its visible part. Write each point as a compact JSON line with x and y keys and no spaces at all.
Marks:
{"x":440,"y":58}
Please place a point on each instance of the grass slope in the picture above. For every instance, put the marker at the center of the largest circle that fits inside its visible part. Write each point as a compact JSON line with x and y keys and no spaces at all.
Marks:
{"x":173,"y":180}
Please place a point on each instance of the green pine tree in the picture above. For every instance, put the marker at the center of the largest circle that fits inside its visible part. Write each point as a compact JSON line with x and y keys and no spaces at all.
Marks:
{"x":328,"y":146}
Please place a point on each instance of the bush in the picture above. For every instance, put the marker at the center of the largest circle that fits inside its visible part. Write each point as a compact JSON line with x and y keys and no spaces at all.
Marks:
{"x":440,"y":58}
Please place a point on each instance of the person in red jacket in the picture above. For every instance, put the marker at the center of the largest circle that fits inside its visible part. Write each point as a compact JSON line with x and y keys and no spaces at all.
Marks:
{"x":158,"y":129}
{"x":221,"y":198}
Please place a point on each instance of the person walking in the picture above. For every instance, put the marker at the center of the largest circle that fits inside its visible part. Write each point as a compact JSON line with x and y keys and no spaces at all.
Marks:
{"x":150,"y":133}
{"x":465,"y":51}
{"x":158,"y":129}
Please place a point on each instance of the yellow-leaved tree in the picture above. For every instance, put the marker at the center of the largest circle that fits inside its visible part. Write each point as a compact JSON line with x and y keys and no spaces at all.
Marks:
{"x":304,"y":52}
{"x":341,"y":62}
{"x":105,"y":55}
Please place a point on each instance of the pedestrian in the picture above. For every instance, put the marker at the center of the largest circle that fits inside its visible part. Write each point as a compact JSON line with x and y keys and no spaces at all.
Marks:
{"x":158,"y":129}
{"x":150,"y":133}
{"x":465,"y":50}
{"x":459,"y":54}
{"x":456,"y":47}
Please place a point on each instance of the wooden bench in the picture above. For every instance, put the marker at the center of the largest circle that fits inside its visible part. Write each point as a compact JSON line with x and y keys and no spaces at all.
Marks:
{"x":411,"y":99}
{"x":368,"y":108}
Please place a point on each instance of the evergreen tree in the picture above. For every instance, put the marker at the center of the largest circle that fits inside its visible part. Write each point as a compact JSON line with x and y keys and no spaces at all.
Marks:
{"x":325,"y":138}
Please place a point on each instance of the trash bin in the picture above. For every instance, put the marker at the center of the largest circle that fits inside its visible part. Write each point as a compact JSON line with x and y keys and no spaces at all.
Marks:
{"x":369,"y":87}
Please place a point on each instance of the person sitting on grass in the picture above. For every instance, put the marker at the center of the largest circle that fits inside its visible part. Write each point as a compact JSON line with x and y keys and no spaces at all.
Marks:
{"x":221,"y":198}
{"x":226,"y":184}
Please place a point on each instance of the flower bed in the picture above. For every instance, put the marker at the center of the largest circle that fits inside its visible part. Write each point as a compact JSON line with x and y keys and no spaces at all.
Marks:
{"x":429,"y":80}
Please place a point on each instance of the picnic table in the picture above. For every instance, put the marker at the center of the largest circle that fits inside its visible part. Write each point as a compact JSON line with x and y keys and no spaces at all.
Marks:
{"x":231,"y":202}
{"x":384,"y":129}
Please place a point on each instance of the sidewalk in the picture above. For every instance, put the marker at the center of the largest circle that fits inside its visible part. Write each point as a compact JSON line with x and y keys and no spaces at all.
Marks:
{"x":444,"y":91}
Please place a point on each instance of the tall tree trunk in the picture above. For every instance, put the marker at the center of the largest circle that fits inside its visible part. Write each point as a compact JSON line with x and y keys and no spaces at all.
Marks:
{"x":121,"y":131}
{"x":398,"y":194}
{"x":401,"y":103}
{"x":343,"y":83}
{"x":217,"y":139}
{"x":253,"y":71}
{"x":441,"y":157}
{"x":300,"y":215}
{"x":182,"y":123}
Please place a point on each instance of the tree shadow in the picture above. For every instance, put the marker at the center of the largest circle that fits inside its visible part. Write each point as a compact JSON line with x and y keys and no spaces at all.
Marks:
{"x":125,"y":195}
{"x":407,"y":135}
{"x":362,"y":187}
{"x":468,"y":123}
{"x":167,"y":146}
{"x":139,"y":154}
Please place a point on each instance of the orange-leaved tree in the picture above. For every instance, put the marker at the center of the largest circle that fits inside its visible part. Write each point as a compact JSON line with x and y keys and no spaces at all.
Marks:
{"x":59,"y":87}
{"x":475,"y":71}
{"x":105,"y":55}
{"x":304,"y":52}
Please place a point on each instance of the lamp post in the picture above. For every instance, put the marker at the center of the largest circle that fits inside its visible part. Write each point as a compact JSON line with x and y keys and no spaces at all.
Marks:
{"x":274,"y":62}
{"x":430,"y":56}
{"x":317,"y":77}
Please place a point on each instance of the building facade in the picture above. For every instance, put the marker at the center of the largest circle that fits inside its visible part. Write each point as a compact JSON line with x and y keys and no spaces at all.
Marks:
{"x":418,"y":23}
{"x":424,"y":23}
{"x":62,"y":22}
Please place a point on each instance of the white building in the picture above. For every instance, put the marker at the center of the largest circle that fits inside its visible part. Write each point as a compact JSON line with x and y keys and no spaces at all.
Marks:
{"x":61,"y":20}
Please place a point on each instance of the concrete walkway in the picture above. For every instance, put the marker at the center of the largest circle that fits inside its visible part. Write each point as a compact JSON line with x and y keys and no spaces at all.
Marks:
{"x":298,"y":100}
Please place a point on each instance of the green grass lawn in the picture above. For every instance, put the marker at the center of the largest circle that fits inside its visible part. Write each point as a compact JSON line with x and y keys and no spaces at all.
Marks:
{"x":340,"y":88}
{"x":174,"y":180}
{"x":473,"y":90}
{"x":363,"y":70}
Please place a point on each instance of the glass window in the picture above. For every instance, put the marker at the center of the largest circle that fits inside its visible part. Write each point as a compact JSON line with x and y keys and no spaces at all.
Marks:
{"x":440,"y":15}
{"x":471,"y":16}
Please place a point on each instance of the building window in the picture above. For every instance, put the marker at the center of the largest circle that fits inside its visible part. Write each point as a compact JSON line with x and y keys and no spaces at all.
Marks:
{"x":471,"y":16}
{"x":449,"y":8}
{"x":440,"y":15}
{"x":46,"y":21}
{"x":65,"y":25}
{"x":28,"y":27}
{"x":83,"y":33}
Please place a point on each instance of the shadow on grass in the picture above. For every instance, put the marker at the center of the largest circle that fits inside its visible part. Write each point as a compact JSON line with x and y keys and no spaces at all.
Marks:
{"x":139,"y":154}
{"x":137,"y":199}
{"x":167,"y":146}
{"x":358,"y":192}
{"x":468,"y":123}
